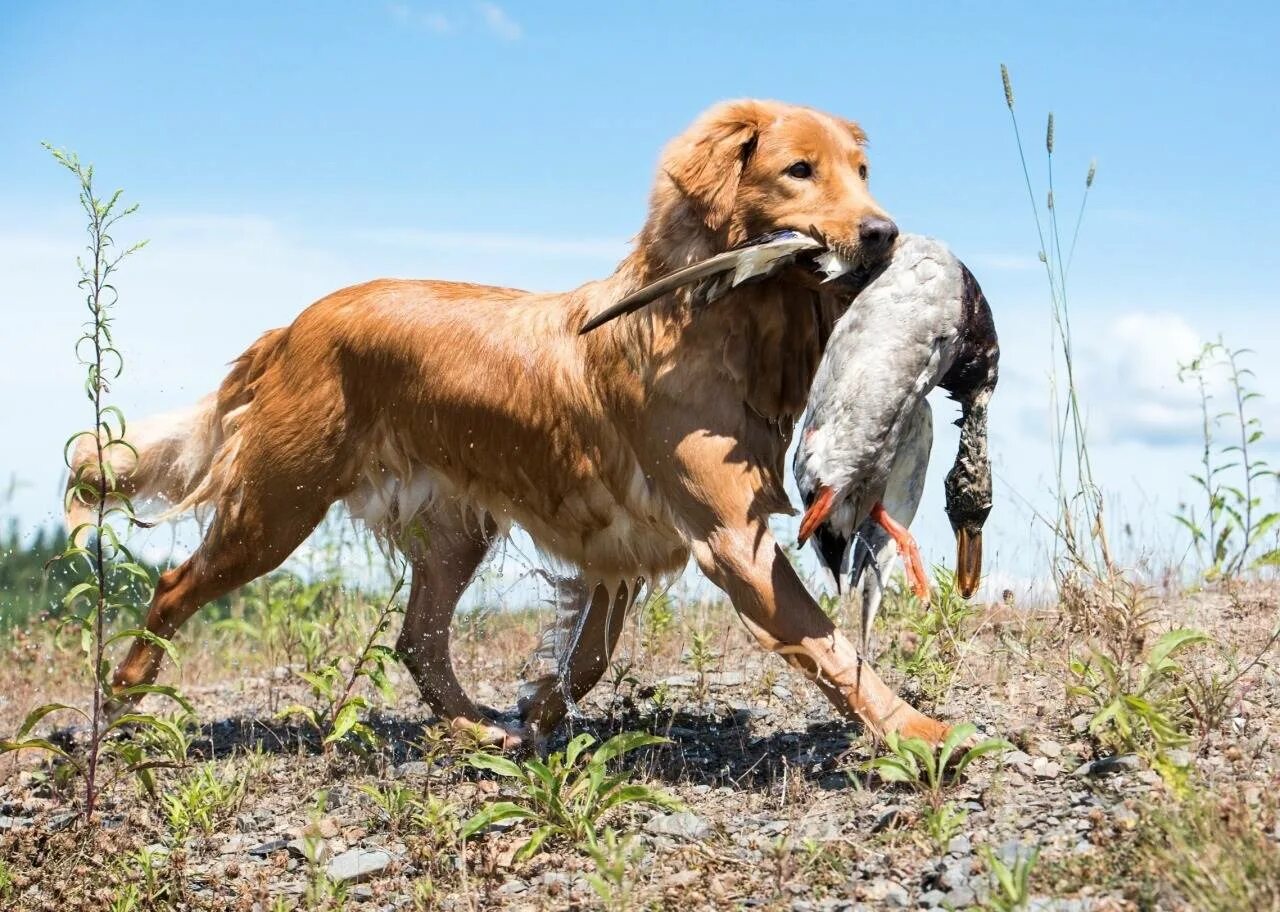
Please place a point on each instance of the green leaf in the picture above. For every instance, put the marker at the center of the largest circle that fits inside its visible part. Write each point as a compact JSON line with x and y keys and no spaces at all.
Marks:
{"x":982,"y":749}
{"x":493,"y":813}
{"x":344,"y":721}
{"x":575,"y":748}
{"x":495,"y":764}
{"x":530,"y":848}
{"x":1160,"y":659}
{"x":625,"y":743}
{"x":33,"y":718}
{"x":164,"y":690}
{"x":957,"y":736}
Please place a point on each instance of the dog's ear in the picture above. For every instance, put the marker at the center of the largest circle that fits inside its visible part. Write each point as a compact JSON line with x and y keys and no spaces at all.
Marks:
{"x":706,"y":162}
{"x":859,"y":135}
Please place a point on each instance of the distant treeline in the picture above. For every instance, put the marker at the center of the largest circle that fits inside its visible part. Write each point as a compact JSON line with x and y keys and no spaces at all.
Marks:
{"x":32,"y":583}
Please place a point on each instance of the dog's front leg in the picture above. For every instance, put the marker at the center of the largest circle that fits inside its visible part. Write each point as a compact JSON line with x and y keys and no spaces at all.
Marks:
{"x":747,"y":564}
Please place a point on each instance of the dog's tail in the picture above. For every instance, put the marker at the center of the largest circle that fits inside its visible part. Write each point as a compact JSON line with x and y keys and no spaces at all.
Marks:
{"x":171,"y":457}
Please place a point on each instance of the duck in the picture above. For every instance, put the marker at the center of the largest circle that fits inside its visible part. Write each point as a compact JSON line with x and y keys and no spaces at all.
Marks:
{"x":916,"y":323}
{"x":863,"y":453}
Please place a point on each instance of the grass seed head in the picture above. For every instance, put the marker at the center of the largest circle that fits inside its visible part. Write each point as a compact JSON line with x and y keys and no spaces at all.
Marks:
{"x":1008,"y":86}
{"x":1048,"y":134}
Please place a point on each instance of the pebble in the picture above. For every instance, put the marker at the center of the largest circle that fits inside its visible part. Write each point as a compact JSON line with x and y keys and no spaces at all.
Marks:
{"x":959,"y":845}
{"x":358,"y":864}
{"x":1050,"y":749}
{"x":960,"y":897}
{"x":412,"y":769}
{"x":1045,"y":768}
{"x":685,"y":824}
{"x":1106,"y":765}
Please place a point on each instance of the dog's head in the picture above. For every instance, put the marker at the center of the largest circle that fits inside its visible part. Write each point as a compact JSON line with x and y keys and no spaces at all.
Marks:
{"x":746,"y":168}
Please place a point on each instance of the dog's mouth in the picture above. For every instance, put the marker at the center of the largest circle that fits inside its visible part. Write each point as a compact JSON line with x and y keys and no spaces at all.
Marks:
{"x":850,"y":267}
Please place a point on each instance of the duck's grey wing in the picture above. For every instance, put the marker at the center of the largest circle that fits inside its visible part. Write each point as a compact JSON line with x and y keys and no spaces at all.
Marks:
{"x":753,"y":260}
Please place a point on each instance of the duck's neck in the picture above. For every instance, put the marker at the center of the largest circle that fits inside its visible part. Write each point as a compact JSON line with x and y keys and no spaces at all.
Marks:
{"x":968,"y":485}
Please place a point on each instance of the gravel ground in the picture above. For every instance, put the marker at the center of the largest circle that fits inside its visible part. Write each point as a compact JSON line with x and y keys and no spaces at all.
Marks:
{"x":780,"y":811}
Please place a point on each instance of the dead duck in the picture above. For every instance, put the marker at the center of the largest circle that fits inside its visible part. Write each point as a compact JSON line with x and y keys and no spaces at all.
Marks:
{"x":864,"y":449}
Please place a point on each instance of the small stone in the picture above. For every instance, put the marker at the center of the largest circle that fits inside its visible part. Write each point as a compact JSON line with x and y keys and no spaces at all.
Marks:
{"x":1016,"y":758}
{"x":309,"y":848}
{"x":891,"y":816}
{"x":1048,"y":748}
{"x":685,"y":824}
{"x":896,"y":897}
{"x":9,"y":823}
{"x":358,"y":864}
{"x":960,"y":897}
{"x":266,"y":848}
{"x":60,"y":821}
{"x":412,"y":769}
{"x":1045,"y":768}
{"x":959,"y":845}
{"x":685,"y":878}
{"x":932,"y":898}
{"x":513,"y":886}
{"x":1179,"y":758}
{"x":1104,"y":766}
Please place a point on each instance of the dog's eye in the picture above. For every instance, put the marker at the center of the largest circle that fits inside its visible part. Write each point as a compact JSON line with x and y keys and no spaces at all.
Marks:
{"x":862,"y":171}
{"x":800,"y":170}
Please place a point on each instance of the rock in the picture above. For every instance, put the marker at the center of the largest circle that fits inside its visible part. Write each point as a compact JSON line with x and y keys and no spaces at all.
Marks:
{"x":513,"y":885}
{"x":10,"y":823}
{"x":896,"y":897}
{"x":355,"y":865}
{"x":309,"y":848}
{"x":685,"y":878}
{"x":959,"y":845}
{"x":1179,"y":758}
{"x":1124,"y":817}
{"x":266,"y":848}
{"x":932,"y":898}
{"x":1045,"y":769}
{"x":1080,"y":723}
{"x":1105,"y":766}
{"x":891,"y":816}
{"x":685,"y":825}
{"x":960,"y":897}
{"x":1050,"y":749}
{"x":61,"y":821}
{"x":412,"y":769}
{"x":1016,"y":758}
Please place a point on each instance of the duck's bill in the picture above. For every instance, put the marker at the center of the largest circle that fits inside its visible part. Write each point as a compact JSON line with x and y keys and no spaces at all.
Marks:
{"x":968,"y":561}
{"x":756,"y":259}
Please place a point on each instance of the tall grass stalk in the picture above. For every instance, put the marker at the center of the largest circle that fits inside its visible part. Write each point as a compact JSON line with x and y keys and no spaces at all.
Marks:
{"x":1079,"y":499}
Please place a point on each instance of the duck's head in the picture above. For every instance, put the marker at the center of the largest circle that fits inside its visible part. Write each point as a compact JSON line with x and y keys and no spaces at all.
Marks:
{"x":971,"y":381}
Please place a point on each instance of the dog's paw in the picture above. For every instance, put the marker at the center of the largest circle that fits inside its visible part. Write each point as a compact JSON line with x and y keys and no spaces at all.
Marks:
{"x":506,"y":739}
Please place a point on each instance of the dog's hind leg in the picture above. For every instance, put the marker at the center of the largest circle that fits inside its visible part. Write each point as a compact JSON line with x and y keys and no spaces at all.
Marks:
{"x":447,"y":556}
{"x":590,"y":640}
{"x":253,"y":531}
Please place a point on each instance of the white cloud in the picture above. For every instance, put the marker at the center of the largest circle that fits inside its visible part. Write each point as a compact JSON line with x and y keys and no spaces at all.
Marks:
{"x":501,"y":24}
{"x":430,"y":20}
{"x":1130,"y":375}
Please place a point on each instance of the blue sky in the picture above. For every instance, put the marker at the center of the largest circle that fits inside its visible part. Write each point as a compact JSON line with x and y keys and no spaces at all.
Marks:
{"x":281,"y":150}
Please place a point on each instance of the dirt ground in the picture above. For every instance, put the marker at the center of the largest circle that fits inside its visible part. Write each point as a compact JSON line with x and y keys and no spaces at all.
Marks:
{"x":781,"y":811}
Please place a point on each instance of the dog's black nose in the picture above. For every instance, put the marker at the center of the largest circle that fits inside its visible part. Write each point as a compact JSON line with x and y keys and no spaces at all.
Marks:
{"x":877,"y":234}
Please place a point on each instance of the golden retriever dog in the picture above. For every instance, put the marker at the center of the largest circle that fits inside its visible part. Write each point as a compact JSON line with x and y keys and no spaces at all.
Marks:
{"x":443,"y":412}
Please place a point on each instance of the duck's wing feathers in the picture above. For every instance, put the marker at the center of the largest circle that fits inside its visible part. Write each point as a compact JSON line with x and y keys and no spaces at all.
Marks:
{"x":756,"y":259}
